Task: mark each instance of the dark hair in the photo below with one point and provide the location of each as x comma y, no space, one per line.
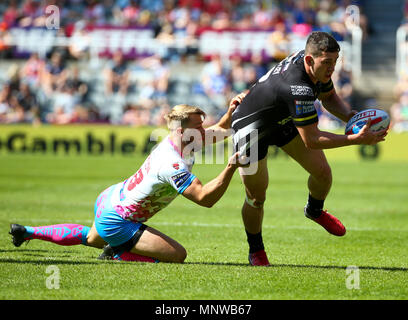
319,42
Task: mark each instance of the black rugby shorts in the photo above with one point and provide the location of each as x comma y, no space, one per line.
254,133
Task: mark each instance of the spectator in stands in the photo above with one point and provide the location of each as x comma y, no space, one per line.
161,76
117,75
184,30
80,87
135,115
152,5
264,17
323,16
154,92
215,80
214,7
176,22
259,64
95,13
330,17
130,13
303,13
12,13
251,76
5,38
167,41
194,6
237,74
66,108
55,74
204,23
76,10
30,11
13,77
342,81
145,19
245,23
399,114
158,118
79,41
7,104
191,41
32,69
222,20
278,46
27,105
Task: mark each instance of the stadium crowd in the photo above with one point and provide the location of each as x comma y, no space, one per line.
53,89
399,110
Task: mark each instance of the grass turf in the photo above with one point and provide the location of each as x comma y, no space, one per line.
307,263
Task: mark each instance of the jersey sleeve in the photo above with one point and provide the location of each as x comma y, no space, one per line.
301,101
176,174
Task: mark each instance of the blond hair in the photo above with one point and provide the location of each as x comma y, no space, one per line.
179,115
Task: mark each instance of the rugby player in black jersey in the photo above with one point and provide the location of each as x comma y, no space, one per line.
280,110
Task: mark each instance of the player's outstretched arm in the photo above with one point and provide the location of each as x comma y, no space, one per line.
207,195
317,139
222,129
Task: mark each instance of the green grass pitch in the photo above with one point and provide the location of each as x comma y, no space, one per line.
370,197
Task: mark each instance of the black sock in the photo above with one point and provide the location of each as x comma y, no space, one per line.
255,242
314,207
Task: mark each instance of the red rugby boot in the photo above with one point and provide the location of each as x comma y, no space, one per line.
258,258
329,222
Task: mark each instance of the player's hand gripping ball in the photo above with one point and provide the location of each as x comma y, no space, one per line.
379,120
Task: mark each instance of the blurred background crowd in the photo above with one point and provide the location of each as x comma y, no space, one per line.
60,87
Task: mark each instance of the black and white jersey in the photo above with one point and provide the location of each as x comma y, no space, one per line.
286,88
281,100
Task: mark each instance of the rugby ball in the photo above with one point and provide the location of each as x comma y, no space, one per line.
379,120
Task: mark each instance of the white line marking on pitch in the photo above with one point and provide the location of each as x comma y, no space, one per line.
222,225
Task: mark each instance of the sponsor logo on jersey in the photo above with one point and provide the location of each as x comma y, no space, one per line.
176,166
180,178
301,91
304,107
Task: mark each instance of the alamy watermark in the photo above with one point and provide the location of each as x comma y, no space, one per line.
353,278
53,280
53,20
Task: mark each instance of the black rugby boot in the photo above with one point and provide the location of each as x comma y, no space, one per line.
17,232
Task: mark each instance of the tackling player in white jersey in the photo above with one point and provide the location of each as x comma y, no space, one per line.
121,210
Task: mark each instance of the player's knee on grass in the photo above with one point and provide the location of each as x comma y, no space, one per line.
157,245
174,254
180,256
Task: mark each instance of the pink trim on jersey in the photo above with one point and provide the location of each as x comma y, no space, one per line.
175,147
